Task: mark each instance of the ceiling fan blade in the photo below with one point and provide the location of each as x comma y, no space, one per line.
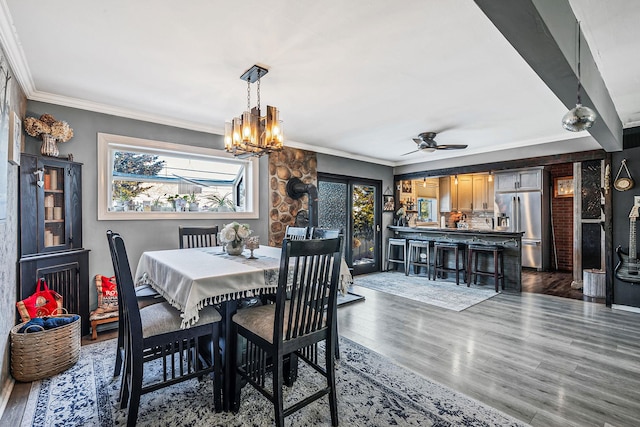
410,152
452,147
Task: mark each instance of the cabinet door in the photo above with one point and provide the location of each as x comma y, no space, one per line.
445,194
530,180
54,212
506,181
490,193
465,192
479,193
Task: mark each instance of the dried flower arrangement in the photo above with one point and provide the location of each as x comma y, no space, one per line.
47,124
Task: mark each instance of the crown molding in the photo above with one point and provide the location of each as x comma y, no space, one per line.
13,50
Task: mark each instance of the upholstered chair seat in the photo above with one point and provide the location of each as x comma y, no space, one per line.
162,318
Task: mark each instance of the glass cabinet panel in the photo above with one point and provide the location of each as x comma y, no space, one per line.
54,207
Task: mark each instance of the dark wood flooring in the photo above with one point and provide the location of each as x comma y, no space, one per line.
557,283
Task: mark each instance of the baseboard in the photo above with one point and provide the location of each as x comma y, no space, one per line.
626,308
7,388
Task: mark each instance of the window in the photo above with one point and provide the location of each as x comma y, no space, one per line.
144,179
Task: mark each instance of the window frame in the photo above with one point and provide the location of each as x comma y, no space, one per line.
109,142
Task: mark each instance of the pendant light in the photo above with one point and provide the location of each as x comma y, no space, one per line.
581,117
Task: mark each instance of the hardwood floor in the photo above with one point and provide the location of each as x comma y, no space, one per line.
545,360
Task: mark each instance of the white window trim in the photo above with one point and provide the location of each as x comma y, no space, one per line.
107,142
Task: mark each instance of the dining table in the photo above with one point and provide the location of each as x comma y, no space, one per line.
191,279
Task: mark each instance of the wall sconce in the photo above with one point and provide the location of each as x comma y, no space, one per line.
455,180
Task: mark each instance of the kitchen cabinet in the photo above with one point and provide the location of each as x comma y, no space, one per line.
51,231
465,193
519,180
448,194
482,193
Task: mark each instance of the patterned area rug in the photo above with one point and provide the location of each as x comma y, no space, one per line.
419,288
372,391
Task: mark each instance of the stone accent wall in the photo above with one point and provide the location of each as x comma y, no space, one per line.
283,165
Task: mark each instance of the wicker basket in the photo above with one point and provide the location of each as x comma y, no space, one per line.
38,355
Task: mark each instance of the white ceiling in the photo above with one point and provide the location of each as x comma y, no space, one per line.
355,78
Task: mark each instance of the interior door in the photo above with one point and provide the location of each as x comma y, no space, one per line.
354,206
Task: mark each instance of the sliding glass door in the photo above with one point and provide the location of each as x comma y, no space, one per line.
353,205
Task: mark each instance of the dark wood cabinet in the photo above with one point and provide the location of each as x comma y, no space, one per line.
51,232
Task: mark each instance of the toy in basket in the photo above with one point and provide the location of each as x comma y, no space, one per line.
46,352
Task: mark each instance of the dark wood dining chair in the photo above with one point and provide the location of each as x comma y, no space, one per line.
296,233
303,316
155,332
146,296
198,237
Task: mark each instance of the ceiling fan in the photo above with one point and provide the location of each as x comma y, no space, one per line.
426,142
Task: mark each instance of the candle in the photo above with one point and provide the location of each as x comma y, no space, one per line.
48,238
57,212
54,179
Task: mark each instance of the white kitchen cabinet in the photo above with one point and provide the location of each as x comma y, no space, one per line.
482,193
465,193
518,180
448,194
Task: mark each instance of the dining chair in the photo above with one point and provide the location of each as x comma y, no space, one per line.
198,237
155,332
296,233
302,317
146,296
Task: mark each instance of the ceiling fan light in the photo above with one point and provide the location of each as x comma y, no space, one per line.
579,118
428,149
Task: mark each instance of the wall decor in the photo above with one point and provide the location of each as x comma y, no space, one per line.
388,203
4,136
563,186
15,145
622,183
407,186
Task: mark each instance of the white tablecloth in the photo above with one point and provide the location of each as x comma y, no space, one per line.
191,279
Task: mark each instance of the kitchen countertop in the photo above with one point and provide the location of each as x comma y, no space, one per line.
456,230
510,241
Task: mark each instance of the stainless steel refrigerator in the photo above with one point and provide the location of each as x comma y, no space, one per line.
526,211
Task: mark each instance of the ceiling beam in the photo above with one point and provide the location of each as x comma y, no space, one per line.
543,32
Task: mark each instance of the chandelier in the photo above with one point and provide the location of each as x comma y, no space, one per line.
581,117
252,134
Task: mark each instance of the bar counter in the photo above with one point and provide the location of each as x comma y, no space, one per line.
510,241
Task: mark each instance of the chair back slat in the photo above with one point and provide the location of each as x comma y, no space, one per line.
310,271
126,287
198,237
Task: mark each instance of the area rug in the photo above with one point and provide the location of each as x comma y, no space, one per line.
348,298
435,292
372,391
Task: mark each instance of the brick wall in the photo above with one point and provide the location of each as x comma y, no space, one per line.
562,220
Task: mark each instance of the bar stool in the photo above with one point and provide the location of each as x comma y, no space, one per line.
494,251
402,245
440,259
419,256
